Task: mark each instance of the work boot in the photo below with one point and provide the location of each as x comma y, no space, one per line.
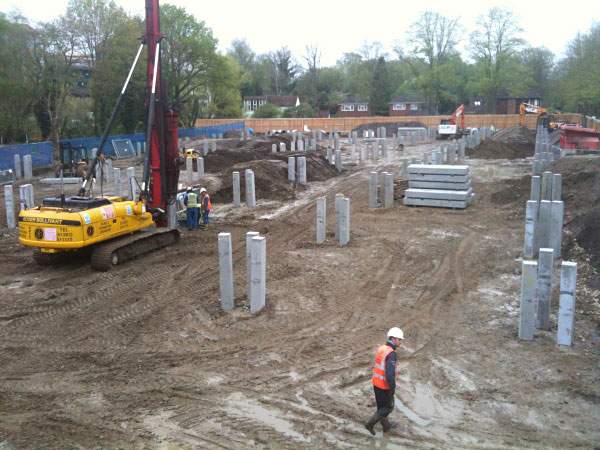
370,425
386,424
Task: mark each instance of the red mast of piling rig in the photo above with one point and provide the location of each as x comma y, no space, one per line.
161,167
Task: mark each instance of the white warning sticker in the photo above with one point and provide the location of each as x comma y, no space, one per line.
108,212
50,234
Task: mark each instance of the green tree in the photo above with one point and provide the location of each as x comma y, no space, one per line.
224,86
189,53
494,46
115,56
56,54
357,75
381,89
18,79
94,22
302,110
283,71
267,111
330,88
241,52
539,64
433,39
576,85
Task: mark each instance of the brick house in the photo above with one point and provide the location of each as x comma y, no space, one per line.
353,107
283,102
407,105
510,105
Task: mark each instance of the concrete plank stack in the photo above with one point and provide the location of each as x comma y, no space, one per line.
441,186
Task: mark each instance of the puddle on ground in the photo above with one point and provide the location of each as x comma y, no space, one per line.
240,406
410,414
443,234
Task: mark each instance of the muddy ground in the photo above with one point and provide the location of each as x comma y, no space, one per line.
143,357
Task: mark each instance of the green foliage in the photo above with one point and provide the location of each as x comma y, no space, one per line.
433,39
40,65
225,87
300,111
267,111
577,79
189,54
380,88
18,68
494,45
115,56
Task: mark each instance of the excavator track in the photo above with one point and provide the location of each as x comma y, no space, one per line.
120,250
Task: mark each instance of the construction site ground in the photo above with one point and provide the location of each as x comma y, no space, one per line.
143,356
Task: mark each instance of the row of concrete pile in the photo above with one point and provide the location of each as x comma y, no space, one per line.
544,217
436,185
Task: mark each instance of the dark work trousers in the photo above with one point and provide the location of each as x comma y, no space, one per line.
385,401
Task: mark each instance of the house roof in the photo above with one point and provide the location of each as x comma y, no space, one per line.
408,98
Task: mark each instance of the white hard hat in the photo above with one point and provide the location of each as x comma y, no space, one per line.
395,332
202,190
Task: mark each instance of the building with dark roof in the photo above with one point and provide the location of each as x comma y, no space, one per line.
407,105
353,106
253,102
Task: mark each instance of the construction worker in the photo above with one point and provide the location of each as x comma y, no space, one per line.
384,380
191,201
205,205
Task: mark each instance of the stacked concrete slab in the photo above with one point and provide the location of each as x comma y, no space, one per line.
442,186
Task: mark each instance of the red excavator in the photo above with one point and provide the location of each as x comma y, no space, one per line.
453,127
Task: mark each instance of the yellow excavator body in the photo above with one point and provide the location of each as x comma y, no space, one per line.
81,223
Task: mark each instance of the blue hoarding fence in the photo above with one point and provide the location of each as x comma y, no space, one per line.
41,153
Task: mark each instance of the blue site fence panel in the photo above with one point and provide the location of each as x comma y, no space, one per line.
41,153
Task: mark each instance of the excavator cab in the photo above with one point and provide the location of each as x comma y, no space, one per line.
73,160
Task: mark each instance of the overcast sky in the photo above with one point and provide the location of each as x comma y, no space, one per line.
337,26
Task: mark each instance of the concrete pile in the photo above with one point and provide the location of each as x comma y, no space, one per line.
544,215
442,186
545,151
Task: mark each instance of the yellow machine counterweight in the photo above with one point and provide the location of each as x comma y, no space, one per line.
110,227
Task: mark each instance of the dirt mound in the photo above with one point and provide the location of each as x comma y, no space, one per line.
515,135
270,177
491,149
390,128
510,143
580,192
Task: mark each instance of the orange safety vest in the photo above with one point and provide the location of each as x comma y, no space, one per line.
209,206
379,379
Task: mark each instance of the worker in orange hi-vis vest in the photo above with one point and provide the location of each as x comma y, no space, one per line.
384,380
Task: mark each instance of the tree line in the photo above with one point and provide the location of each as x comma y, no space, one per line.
62,78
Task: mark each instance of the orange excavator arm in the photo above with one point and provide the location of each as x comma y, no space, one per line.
525,108
458,112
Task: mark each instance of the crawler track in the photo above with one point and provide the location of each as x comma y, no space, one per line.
117,251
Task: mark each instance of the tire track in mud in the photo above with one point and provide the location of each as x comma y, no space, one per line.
440,302
300,334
